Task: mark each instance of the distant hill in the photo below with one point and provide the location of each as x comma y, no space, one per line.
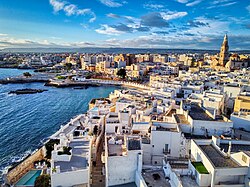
109,50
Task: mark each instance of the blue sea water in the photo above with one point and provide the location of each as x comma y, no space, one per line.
26,120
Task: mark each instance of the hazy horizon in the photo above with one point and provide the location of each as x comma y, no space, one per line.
189,24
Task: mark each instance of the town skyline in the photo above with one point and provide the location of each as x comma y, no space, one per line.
177,24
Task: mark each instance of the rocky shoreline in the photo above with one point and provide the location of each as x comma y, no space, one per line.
21,81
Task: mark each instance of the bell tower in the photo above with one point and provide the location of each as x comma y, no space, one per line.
224,54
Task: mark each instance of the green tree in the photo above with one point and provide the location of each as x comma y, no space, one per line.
26,74
42,181
122,73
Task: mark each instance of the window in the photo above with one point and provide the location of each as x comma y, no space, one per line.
244,158
166,147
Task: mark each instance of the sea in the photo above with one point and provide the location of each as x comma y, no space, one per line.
26,121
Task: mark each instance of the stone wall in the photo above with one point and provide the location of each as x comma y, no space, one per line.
21,169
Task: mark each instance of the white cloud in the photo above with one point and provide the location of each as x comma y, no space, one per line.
107,30
8,42
172,15
3,34
111,15
194,3
55,38
112,3
153,6
221,3
57,5
182,1
71,9
173,40
215,27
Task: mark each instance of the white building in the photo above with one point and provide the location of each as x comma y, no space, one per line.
166,141
194,119
70,162
123,159
225,164
241,121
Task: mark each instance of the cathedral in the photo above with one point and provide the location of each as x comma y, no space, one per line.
220,63
224,54
227,62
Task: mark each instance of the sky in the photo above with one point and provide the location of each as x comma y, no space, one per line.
182,24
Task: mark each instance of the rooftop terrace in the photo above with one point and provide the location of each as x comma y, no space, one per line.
197,113
80,149
217,158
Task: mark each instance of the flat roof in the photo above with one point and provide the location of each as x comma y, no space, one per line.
80,148
217,158
160,128
197,113
187,181
134,144
150,181
235,147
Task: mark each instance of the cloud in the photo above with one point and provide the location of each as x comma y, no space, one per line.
182,1
143,29
57,5
8,42
120,29
197,24
221,3
113,3
108,30
189,3
129,19
71,9
55,38
161,32
145,24
157,40
184,41
206,26
172,15
153,6
154,19
194,3
111,15
3,34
